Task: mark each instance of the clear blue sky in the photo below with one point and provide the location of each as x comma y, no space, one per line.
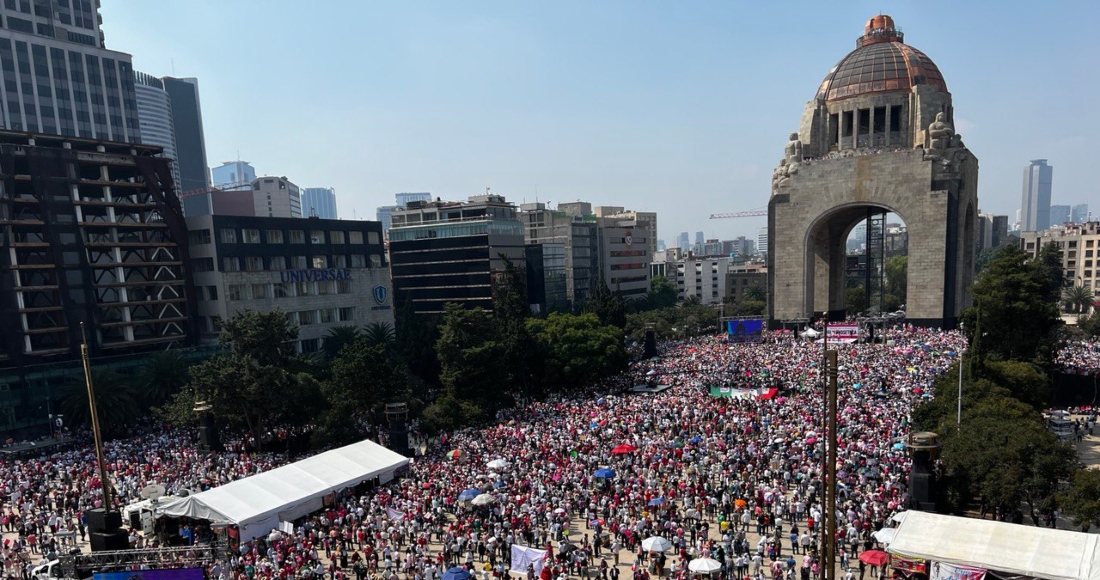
681,108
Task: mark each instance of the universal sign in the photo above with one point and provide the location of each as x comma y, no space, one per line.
315,275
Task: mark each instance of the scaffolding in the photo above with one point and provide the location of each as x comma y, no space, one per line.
82,565
874,283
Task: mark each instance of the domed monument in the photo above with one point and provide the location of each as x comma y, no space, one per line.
878,137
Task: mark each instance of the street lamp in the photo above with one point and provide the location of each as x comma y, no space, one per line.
959,418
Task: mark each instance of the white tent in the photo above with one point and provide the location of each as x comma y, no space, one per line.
810,333
1007,548
258,503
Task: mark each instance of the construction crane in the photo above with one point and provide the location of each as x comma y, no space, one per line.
739,214
215,188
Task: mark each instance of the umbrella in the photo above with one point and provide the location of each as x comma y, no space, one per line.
456,454
484,499
604,473
885,535
498,464
457,573
657,501
692,513
623,449
874,557
559,510
656,544
274,536
469,494
566,548
695,440
704,565
899,446
499,483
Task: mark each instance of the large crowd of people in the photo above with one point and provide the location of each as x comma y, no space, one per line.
587,479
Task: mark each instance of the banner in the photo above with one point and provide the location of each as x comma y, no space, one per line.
942,571
522,556
843,333
910,564
395,515
746,330
173,574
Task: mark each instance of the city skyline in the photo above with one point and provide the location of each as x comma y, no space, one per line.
634,106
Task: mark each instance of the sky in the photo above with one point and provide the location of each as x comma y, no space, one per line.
682,108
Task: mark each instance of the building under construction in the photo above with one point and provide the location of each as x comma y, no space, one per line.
92,232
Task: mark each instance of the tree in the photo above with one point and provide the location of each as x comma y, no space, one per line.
416,336
607,306
470,355
661,294
1077,299
1082,499
117,401
365,376
259,383
756,292
855,299
576,350
337,338
1015,313
165,373
380,333
897,278
510,314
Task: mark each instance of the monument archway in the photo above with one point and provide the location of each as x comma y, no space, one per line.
877,137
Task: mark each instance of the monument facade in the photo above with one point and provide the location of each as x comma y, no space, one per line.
877,138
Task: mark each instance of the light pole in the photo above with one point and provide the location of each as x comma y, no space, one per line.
959,418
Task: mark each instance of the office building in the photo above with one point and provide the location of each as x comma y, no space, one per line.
576,208
190,139
546,277
450,252
154,107
1059,215
406,198
577,234
1080,213
233,173
69,83
276,197
704,278
1080,245
321,273
699,238
319,202
647,219
625,255
683,241
745,278
90,232
762,240
384,213
1035,204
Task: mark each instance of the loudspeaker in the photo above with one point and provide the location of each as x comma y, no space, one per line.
399,439
106,541
921,490
650,349
101,520
208,434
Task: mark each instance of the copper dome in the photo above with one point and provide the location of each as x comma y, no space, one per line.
881,62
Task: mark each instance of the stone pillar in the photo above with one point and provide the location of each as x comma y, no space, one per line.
855,128
889,112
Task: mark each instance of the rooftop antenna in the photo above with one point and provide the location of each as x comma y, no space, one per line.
536,193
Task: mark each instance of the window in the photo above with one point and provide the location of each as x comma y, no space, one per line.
372,237
343,286
311,345
336,237
198,237
319,262
212,292
231,265
279,290
328,315
274,236
202,264
229,236
297,237
358,261
324,288
307,317
355,237
236,292
259,291
338,261
375,261
346,314
298,262
316,237
303,289
250,236
253,263
278,262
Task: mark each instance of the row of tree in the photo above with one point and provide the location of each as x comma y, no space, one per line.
1000,457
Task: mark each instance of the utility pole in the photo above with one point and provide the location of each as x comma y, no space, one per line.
106,483
830,497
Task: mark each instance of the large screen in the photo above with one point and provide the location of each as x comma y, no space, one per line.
745,330
171,574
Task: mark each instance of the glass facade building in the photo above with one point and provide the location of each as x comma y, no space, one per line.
319,202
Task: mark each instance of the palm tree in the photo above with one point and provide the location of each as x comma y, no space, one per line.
164,375
1077,299
338,337
379,333
116,400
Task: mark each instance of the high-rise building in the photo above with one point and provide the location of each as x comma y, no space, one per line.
1059,215
699,238
276,197
154,106
576,234
1035,204
762,240
384,213
1080,213
625,255
1072,240
683,241
319,202
449,252
77,247
233,172
646,218
190,139
60,77
405,198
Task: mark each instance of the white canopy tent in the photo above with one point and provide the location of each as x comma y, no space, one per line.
1007,548
257,504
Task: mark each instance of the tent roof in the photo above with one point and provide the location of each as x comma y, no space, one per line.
257,503
1011,548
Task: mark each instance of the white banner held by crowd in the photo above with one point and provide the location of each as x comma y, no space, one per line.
522,556
395,515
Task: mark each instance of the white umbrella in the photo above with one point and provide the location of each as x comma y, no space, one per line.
559,510
885,535
484,499
704,565
656,544
498,464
